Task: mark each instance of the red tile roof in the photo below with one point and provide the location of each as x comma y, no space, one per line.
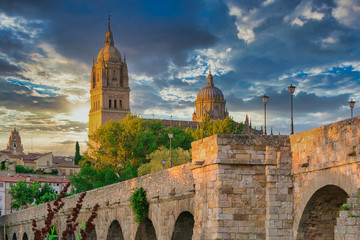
32,179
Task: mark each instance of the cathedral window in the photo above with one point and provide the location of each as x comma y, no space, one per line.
120,104
115,104
109,103
14,144
14,137
114,76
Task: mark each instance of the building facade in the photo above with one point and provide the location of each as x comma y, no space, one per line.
210,101
6,182
110,91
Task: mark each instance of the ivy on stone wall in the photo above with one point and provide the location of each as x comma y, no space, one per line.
139,204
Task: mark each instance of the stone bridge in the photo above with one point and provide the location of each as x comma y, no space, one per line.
236,187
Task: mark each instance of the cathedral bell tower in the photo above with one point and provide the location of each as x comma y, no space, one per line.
109,91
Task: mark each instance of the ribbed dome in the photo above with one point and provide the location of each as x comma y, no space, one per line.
210,93
109,53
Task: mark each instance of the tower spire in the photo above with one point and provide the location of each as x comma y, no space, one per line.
109,41
109,21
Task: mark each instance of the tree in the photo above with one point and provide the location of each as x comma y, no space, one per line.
126,141
90,178
208,127
46,194
179,156
77,154
182,138
22,194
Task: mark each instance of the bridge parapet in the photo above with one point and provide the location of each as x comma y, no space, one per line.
169,192
239,149
327,146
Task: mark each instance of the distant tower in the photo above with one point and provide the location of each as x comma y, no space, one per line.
246,129
14,145
210,100
110,91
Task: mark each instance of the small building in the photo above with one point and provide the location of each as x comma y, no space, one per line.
6,182
38,160
65,165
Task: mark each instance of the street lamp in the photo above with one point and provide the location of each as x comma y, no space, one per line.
291,89
351,105
163,163
170,136
265,99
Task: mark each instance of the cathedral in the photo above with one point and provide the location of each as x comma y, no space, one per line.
210,101
109,90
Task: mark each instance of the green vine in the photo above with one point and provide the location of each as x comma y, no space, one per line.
139,205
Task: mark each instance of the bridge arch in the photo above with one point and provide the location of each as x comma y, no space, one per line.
114,231
92,235
146,231
25,237
184,227
319,216
331,180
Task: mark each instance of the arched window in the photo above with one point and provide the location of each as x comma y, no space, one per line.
109,103
115,104
120,104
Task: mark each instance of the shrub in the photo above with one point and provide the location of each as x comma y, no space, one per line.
3,166
139,204
22,169
54,171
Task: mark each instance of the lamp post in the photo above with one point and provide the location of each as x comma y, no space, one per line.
291,89
170,136
265,99
351,105
163,163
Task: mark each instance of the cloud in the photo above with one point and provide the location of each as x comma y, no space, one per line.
17,97
303,13
252,46
22,28
245,22
347,12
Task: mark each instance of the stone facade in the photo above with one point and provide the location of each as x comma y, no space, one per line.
110,91
236,187
348,221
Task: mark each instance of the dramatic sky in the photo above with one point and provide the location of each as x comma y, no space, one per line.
253,47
